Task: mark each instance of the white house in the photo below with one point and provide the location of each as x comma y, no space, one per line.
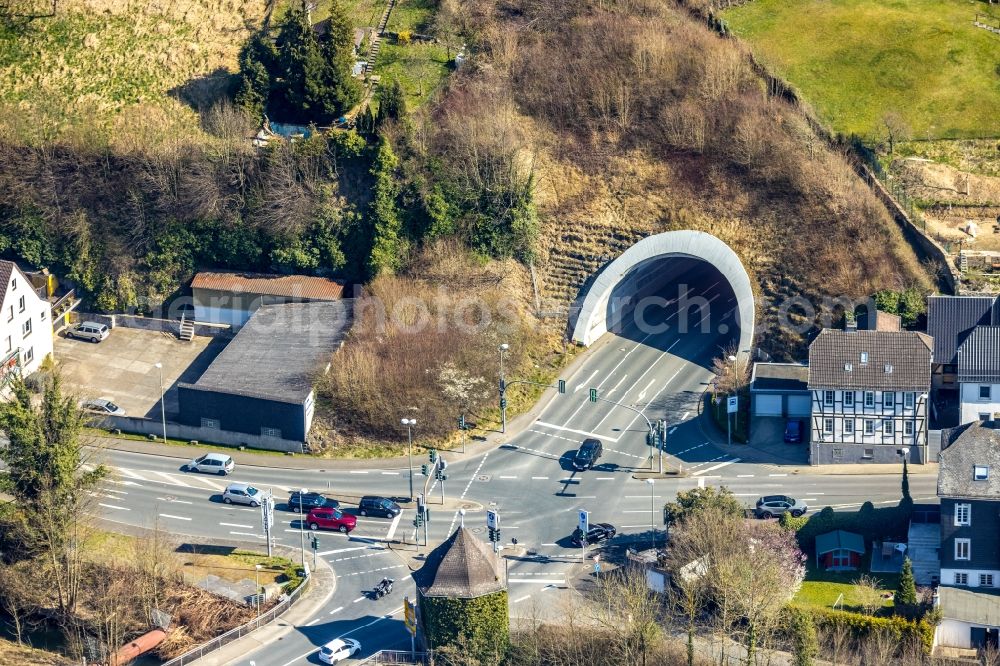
230,298
25,325
869,395
979,375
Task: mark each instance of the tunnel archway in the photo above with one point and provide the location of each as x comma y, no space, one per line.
640,263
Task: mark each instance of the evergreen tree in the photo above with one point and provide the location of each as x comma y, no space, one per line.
386,225
341,91
392,105
257,59
906,485
906,591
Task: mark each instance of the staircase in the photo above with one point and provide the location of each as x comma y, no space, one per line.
923,542
376,44
186,330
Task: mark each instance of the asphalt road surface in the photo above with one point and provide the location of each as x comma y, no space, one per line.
528,479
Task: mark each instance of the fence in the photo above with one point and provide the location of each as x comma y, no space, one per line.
397,657
239,632
153,324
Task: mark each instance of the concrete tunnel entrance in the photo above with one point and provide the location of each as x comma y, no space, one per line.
637,277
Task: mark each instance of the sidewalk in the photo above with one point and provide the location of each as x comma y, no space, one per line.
321,589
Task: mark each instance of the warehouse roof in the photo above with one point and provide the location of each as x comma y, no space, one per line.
980,608
870,360
950,319
779,377
291,286
279,351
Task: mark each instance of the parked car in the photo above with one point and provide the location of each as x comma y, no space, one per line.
597,533
588,455
371,505
242,493
793,431
212,463
339,649
771,506
331,519
88,330
299,501
102,406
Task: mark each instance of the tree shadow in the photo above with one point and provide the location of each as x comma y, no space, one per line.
203,92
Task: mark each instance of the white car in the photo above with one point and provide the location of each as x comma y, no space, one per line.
339,649
102,406
212,463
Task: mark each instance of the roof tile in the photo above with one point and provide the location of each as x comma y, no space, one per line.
896,361
292,286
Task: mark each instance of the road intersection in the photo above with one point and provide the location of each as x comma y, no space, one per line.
528,478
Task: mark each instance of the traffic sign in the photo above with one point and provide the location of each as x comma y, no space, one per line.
732,405
562,385
593,395
493,519
584,521
409,615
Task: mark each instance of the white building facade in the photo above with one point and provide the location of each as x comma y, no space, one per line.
979,375
25,325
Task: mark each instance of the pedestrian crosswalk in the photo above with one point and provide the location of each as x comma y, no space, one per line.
137,477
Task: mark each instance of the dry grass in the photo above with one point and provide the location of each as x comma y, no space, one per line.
100,67
12,654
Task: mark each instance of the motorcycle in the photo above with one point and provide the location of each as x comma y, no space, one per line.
383,588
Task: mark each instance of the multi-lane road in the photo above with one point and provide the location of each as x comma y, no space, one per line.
659,372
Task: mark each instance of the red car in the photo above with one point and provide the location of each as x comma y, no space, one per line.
331,519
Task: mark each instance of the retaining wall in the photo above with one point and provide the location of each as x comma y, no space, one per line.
144,426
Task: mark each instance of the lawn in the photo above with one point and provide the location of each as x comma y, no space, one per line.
419,66
821,589
856,60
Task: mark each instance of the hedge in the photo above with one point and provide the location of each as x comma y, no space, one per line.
871,523
861,626
481,625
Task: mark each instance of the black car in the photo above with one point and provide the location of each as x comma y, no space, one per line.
793,432
302,502
590,451
378,506
597,533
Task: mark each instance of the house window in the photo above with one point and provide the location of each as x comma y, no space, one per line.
10,345
13,284
848,426
887,427
981,472
908,427
848,398
828,398
888,399
985,580
869,427
984,416
21,304
869,398
42,315
29,355
210,423
26,327
270,432
961,578
868,454
10,317
962,548
984,392
827,425
963,514
908,399
864,358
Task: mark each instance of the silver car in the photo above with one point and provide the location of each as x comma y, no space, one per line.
212,463
89,330
102,406
241,493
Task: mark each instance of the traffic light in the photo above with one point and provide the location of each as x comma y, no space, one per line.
461,422
432,455
315,543
650,439
425,469
418,521
593,395
562,385
503,403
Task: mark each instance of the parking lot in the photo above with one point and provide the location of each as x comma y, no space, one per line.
122,368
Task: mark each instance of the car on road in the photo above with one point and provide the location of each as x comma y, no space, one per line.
88,330
596,533
588,455
771,506
371,505
331,519
339,649
212,463
793,431
304,501
242,493
102,406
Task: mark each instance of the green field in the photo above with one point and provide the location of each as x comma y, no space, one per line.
856,60
821,589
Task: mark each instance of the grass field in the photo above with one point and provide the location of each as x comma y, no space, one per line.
821,589
856,60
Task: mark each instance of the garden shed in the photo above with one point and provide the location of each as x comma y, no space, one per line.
839,550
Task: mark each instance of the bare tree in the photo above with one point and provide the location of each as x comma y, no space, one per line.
895,128
867,594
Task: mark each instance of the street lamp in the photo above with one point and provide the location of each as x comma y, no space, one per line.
257,576
409,423
503,389
652,513
729,416
461,517
302,528
163,407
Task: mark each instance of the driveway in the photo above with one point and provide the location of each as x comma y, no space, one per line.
122,367
767,433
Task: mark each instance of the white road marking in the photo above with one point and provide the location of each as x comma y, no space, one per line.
517,601
585,382
507,477
393,526
336,610
701,482
173,500
167,515
112,506
615,388
578,432
364,626
358,471
391,473
539,478
116,492
550,544
131,474
341,550
642,394
777,475
686,414
715,467
212,485
357,600
171,480
542,581
604,478
249,534
671,431
247,527
744,476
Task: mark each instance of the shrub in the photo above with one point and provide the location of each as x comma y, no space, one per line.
404,36
792,523
900,629
871,524
802,636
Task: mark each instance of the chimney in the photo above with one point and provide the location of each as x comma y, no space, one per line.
850,324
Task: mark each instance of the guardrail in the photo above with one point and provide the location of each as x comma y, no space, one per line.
398,658
239,632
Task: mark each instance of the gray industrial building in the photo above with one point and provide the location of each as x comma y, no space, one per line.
262,382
